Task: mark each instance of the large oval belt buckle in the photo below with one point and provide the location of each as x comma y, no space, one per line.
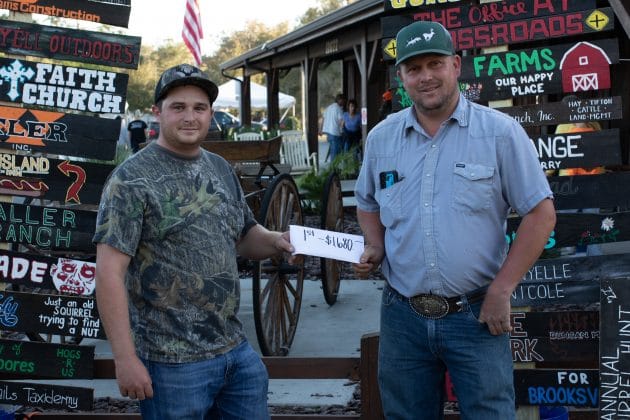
430,306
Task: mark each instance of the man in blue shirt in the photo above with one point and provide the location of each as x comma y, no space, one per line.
437,183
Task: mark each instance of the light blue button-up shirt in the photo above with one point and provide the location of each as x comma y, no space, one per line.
445,218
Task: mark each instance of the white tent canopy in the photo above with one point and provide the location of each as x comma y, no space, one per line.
230,95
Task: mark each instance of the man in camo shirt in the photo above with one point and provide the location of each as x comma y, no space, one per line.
171,222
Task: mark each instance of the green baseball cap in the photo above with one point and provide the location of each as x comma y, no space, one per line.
423,37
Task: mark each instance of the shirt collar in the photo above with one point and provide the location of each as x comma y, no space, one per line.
461,115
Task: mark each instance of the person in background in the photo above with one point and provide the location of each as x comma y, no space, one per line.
331,125
137,133
171,221
433,195
351,127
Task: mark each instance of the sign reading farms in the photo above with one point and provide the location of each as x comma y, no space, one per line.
57,133
565,68
58,86
69,44
53,179
110,13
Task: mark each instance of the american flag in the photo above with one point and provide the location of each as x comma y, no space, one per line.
192,32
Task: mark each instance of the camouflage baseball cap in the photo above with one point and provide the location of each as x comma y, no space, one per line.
181,75
423,37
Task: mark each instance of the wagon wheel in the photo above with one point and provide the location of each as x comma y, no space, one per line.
278,285
332,219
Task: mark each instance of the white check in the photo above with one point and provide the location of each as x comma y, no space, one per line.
326,243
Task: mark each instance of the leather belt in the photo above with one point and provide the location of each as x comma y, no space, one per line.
435,306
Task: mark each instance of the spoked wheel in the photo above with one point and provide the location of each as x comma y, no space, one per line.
278,285
332,219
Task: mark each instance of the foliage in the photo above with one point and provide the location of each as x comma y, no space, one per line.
311,184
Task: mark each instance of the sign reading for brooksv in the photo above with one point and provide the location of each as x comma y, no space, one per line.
69,44
57,133
57,86
110,13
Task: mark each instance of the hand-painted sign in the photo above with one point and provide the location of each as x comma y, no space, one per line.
582,229
566,68
567,111
110,13
50,314
69,44
595,191
57,86
479,14
521,31
47,396
58,133
31,360
554,336
56,180
614,348
552,387
404,4
578,150
47,227
65,275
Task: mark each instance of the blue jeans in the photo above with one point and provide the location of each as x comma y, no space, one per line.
415,352
334,145
229,386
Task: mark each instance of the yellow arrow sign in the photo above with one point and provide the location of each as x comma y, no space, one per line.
390,48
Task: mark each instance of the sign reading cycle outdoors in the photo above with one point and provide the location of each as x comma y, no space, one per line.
50,314
57,180
49,396
57,133
566,68
57,86
31,360
47,227
64,275
69,44
110,13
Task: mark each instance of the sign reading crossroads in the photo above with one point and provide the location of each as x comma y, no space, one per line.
110,13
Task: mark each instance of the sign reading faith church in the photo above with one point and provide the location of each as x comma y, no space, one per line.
69,44
58,86
58,133
107,12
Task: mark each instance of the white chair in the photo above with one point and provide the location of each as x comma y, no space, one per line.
248,136
294,152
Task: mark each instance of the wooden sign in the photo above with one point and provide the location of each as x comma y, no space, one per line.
107,49
58,133
578,150
522,31
406,4
50,314
469,15
554,336
65,181
594,191
99,11
47,227
46,396
565,68
46,360
553,387
57,86
64,275
569,280
614,349
567,111
582,229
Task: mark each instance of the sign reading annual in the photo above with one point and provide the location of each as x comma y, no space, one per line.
69,44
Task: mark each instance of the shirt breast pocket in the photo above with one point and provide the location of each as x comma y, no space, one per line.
390,203
472,186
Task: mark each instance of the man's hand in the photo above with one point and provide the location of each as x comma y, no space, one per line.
133,378
495,312
370,259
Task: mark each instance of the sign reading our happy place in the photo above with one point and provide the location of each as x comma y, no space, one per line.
57,86
106,49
